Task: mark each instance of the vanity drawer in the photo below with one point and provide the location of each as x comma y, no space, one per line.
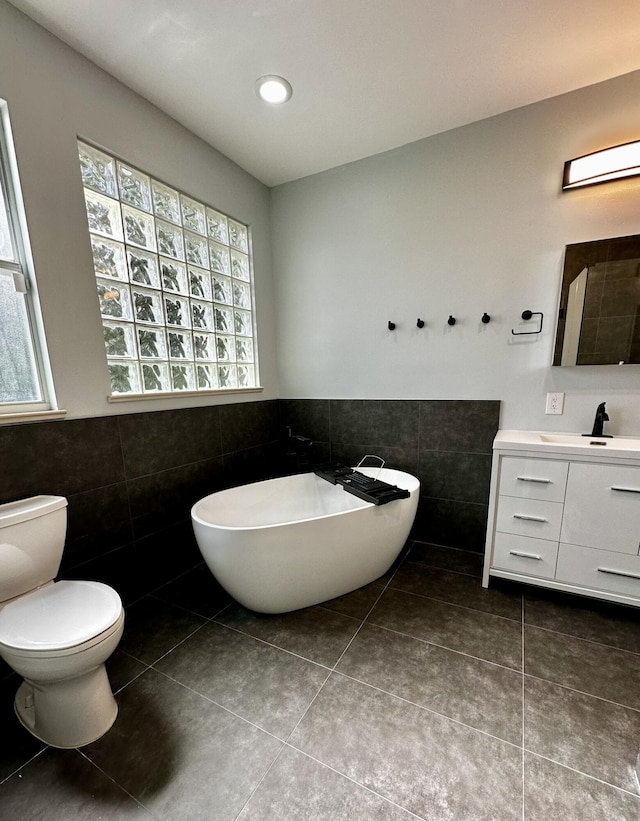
600,569
533,478
522,554
529,517
602,507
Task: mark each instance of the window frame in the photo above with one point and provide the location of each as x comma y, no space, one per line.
22,271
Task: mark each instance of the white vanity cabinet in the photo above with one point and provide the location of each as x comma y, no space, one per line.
565,514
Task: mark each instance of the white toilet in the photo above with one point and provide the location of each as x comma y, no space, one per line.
56,635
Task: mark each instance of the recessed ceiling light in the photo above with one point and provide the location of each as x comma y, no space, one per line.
273,89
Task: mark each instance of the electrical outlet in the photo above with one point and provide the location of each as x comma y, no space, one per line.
555,403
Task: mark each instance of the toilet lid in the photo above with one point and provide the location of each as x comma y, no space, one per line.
59,616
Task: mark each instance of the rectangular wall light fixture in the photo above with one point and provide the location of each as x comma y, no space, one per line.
602,166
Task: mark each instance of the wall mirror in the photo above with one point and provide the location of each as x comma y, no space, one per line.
599,316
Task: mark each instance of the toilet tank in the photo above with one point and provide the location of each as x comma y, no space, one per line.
32,534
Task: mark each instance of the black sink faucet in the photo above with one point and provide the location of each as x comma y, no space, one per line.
598,423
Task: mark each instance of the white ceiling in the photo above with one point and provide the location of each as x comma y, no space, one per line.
367,75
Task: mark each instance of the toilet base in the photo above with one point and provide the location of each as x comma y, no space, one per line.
68,713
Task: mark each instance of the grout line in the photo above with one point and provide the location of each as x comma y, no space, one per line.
221,706
113,781
400,563
444,647
28,761
421,563
582,692
579,638
259,784
426,709
311,703
353,781
153,595
586,775
270,644
451,604
135,678
182,641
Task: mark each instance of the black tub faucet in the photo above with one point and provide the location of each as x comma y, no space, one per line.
598,423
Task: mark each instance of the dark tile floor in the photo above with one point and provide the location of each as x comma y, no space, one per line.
420,696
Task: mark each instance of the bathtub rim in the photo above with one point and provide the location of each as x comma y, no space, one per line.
360,504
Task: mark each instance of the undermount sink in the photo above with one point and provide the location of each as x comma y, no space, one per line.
617,446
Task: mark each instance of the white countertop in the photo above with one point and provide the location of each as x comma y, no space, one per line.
618,447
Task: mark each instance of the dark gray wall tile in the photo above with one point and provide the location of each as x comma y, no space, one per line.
248,425
159,500
152,442
19,459
161,556
451,523
464,477
459,424
98,521
392,422
119,569
153,627
252,464
196,590
401,458
77,455
306,417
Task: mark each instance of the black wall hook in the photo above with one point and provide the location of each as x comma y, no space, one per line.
451,320
391,326
526,315
420,323
486,319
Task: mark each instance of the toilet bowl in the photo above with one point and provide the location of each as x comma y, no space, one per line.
56,635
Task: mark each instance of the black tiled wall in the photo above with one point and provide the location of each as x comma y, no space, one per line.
446,443
131,480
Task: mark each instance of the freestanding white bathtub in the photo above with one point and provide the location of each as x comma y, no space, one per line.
289,543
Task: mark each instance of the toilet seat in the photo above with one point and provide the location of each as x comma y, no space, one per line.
61,616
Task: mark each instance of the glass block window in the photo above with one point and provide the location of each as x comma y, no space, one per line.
174,283
22,382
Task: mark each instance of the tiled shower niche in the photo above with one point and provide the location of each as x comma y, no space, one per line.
174,283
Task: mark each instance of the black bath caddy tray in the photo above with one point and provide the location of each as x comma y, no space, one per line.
364,487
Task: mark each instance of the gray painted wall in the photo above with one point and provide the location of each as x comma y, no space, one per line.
55,95
468,221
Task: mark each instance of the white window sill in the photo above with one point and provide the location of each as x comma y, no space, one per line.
31,416
136,397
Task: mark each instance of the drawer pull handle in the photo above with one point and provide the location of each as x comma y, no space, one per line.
528,518
619,573
525,555
626,489
531,479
